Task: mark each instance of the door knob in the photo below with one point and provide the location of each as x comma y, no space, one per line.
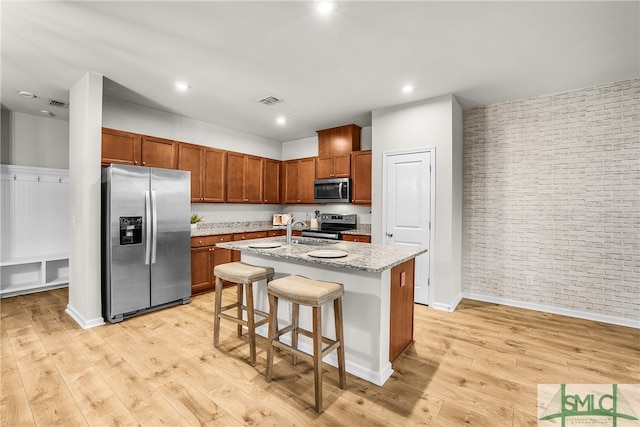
389,234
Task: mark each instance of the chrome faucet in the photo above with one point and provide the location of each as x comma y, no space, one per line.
290,226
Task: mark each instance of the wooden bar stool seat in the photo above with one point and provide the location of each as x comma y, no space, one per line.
300,290
244,275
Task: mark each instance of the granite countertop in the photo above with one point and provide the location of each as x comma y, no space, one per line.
361,256
214,228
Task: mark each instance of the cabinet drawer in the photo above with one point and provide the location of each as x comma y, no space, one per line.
250,235
356,238
200,241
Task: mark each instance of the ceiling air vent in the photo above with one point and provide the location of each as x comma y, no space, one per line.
270,100
58,104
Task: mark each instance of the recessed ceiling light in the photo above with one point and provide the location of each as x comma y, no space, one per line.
46,113
281,120
407,89
26,94
182,86
324,6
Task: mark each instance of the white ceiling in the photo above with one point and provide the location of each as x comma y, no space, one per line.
329,70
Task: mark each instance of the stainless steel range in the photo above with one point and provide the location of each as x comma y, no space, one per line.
331,226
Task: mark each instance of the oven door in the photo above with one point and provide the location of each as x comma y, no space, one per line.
332,190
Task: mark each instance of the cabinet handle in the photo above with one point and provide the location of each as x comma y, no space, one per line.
135,162
144,163
199,242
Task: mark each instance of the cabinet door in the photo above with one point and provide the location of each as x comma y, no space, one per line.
120,147
159,153
215,163
361,174
271,181
291,173
235,177
401,306
339,140
342,166
253,179
307,174
190,159
201,270
324,167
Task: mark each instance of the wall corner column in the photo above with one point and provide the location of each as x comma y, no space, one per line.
85,128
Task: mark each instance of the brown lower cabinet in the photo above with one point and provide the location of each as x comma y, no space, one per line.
401,302
205,256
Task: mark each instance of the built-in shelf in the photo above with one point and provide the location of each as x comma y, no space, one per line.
28,274
34,229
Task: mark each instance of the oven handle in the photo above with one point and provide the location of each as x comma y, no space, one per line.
332,236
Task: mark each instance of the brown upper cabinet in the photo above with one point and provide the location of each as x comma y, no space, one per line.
299,175
334,151
133,149
339,140
334,166
272,181
244,178
159,153
208,171
361,177
120,147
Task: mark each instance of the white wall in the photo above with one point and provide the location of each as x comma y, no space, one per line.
435,123
552,203
30,140
147,121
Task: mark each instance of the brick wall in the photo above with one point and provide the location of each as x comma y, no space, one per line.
552,201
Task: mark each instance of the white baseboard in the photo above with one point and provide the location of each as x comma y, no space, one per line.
555,310
447,307
80,320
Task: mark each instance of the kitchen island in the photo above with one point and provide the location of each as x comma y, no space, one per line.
377,304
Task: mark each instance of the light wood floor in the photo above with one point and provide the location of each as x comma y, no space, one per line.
477,366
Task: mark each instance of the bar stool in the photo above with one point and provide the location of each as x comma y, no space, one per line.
243,275
303,291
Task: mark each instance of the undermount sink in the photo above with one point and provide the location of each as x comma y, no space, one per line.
313,242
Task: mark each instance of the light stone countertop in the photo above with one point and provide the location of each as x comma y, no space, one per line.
213,229
361,256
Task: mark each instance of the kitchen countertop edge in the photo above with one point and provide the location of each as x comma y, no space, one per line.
362,256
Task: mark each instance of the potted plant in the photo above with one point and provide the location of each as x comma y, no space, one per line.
195,219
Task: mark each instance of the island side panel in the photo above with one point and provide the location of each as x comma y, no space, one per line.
402,300
365,314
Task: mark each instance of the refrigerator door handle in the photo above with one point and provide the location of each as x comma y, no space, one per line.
147,206
154,216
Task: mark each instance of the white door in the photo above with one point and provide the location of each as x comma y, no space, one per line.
407,201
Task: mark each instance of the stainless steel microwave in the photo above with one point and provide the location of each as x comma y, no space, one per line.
335,190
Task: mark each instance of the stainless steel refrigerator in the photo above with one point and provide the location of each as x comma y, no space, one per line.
146,234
